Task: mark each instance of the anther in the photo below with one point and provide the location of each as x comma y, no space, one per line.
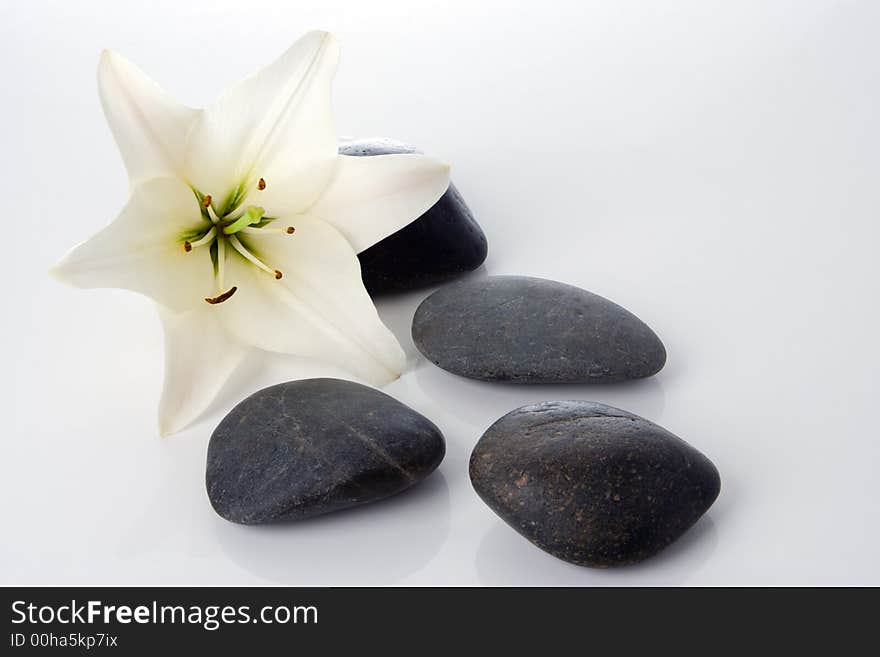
278,275
222,297
206,201
261,185
290,230
187,247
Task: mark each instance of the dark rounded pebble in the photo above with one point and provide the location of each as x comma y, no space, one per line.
591,484
305,448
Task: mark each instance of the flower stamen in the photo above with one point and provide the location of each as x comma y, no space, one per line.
238,246
251,230
207,238
212,215
206,202
221,262
261,185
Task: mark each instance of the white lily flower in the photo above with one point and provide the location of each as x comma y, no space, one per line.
244,224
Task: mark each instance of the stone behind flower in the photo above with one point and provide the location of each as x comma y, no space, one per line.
304,448
443,243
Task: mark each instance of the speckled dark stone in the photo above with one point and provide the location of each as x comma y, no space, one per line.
591,484
443,243
531,330
304,448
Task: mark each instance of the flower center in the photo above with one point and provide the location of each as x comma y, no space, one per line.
231,230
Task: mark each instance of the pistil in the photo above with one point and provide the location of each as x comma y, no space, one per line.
252,215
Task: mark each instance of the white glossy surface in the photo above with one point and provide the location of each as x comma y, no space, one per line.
713,166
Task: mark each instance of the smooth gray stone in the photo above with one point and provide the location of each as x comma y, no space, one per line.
591,484
304,448
443,243
532,330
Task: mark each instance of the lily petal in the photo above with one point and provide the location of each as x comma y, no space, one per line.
142,250
274,125
199,358
318,309
369,198
150,127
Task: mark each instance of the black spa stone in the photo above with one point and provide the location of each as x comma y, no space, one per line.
532,330
443,243
591,484
305,448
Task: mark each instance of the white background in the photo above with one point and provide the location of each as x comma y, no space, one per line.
711,165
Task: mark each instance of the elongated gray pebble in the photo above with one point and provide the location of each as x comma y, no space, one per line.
532,330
